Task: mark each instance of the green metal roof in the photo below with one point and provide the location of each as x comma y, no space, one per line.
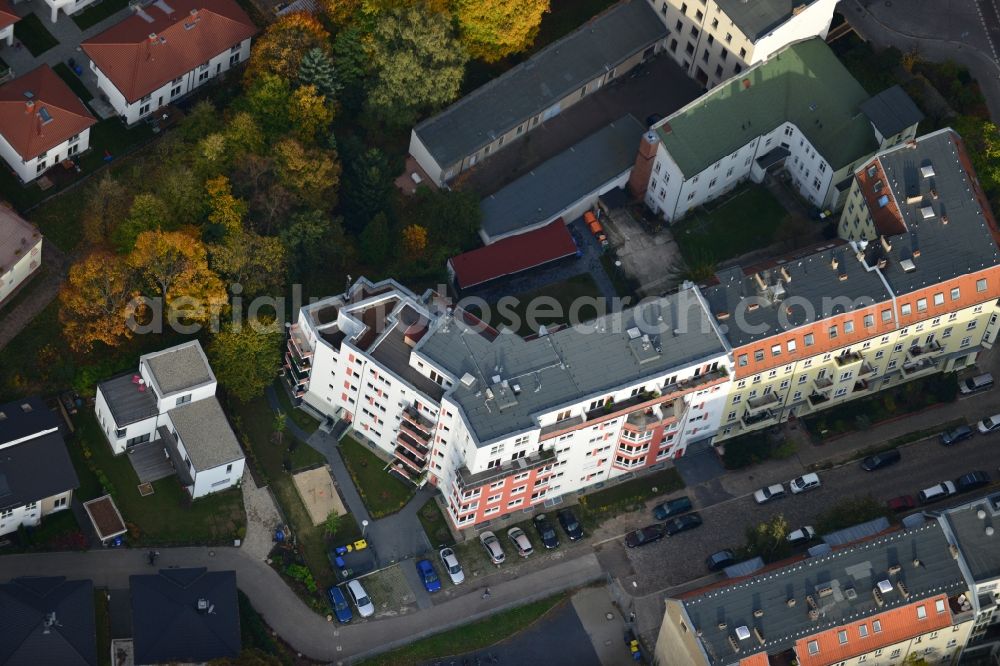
804,84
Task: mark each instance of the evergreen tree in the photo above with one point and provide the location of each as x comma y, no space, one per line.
317,69
375,242
367,188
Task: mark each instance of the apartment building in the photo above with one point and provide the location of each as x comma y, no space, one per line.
913,292
501,423
165,50
519,101
714,40
170,403
878,602
800,112
20,251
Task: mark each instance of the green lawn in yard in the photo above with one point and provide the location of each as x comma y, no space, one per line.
554,309
59,218
382,493
19,376
626,496
111,135
96,13
435,524
73,81
168,517
747,220
473,636
301,419
31,32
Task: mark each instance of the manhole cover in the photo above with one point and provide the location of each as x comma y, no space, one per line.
609,616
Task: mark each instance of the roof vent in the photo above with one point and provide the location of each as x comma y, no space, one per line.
743,632
953,549
989,530
907,265
634,333
885,586
934,194
814,614
722,626
850,593
886,245
722,316
152,36
790,602
927,171
895,569
759,635
981,514
944,219
25,407
903,591
917,562
468,381
785,274
927,212
824,591
203,605
758,612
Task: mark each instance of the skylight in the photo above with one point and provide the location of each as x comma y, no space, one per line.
44,114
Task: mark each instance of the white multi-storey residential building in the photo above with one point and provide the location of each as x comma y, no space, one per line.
166,50
20,251
800,111
498,422
172,400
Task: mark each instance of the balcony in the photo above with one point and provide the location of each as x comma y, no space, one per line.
923,364
822,383
403,455
760,418
419,424
670,391
866,369
297,376
816,398
849,358
646,419
762,402
860,385
636,453
916,351
296,340
400,469
418,450
303,363
419,437
467,479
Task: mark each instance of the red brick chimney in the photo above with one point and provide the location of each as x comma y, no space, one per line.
638,181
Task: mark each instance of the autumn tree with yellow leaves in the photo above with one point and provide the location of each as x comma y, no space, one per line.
97,301
494,29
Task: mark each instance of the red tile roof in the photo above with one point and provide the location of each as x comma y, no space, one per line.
7,15
141,56
52,114
513,255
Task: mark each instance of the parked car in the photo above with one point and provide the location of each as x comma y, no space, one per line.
645,535
520,541
902,503
492,546
801,535
670,508
338,602
801,484
769,493
983,382
936,492
719,560
451,565
956,435
428,576
360,598
688,521
546,532
971,481
571,526
989,424
880,460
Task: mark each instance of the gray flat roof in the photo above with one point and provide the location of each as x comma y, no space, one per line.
567,365
536,197
758,17
891,111
127,403
980,550
204,430
179,368
962,246
858,568
813,281
536,84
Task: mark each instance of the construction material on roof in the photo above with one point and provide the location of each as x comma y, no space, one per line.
105,517
513,255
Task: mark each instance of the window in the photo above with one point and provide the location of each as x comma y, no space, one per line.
955,293
971,325
939,605
743,360
877,626
906,309
965,342
921,305
921,612
758,355
809,339
863,630
183,399
842,637
813,647
775,350
939,298
729,38
981,284
699,16
233,59
848,327
869,321
833,332
743,53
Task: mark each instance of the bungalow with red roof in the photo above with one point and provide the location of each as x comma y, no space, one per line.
42,123
165,50
7,20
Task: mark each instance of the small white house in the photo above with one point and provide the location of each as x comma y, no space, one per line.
166,50
20,251
42,123
172,399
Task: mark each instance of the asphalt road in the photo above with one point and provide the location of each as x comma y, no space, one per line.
990,13
677,560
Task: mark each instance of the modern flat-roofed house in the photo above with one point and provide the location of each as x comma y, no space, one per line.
20,251
42,123
36,475
48,620
549,82
165,50
172,399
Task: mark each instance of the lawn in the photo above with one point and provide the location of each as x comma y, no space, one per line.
383,494
112,136
435,524
744,221
512,312
298,416
168,517
31,32
630,495
73,81
97,13
473,636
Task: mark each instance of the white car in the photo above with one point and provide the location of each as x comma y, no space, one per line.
769,493
451,565
492,546
520,541
360,598
801,484
801,535
989,424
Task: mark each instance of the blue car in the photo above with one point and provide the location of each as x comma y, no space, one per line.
427,574
339,604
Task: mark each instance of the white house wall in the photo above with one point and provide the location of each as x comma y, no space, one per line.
28,170
14,275
108,426
217,478
813,21
30,517
424,158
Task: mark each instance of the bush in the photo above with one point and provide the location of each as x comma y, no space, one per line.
754,448
301,573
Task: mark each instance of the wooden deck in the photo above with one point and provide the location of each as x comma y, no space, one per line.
150,461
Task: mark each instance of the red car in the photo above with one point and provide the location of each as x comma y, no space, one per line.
902,503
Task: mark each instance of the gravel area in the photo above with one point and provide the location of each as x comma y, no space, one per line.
389,591
262,518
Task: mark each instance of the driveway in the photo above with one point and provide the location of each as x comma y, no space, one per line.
646,256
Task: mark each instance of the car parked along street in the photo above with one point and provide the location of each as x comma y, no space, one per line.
338,602
360,598
451,565
880,460
989,424
956,435
769,493
546,532
801,535
801,484
971,481
670,508
571,526
645,535
428,576
683,523
492,547
520,541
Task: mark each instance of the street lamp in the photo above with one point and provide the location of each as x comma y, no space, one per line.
364,526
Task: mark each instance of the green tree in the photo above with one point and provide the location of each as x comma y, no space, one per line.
311,173
768,540
332,523
267,99
105,210
280,426
245,358
283,45
147,213
367,188
202,120
983,142
494,29
316,242
317,69
375,241
418,63
182,194
451,217
352,66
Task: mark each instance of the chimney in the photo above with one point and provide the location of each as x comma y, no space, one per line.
886,245
638,181
29,105
834,263
785,274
